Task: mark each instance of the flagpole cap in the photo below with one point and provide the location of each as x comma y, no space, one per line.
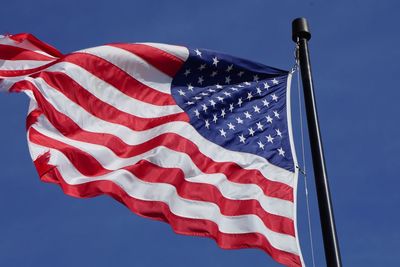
300,29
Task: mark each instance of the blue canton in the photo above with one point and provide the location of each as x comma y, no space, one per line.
237,104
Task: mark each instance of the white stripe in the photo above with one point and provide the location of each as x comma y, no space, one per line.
21,64
111,95
91,123
167,158
135,66
178,51
32,103
25,44
8,82
166,193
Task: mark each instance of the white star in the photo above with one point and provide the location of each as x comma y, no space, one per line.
201,80
227,93
240,102
204,94
197,97
211,90
251,131
190,87
256,109
215,61
231,107
223,113
198,52
247,115
228,80
218,86
204,107
259,90
242,138
181,92
255,78
207,124
240,73
187,72
215,118
239,120
265,103
269,119
266,85
247,83
270,139
278,133
275,81
214,73
220,98
259,125
223,133
202,67
276,114
230,67
231,126
197,113
274,97
281,152
249,96
189,103
234,89
239,85
212,103
261,145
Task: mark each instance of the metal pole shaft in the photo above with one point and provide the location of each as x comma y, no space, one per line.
301,35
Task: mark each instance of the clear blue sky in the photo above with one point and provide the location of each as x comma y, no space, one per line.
355,56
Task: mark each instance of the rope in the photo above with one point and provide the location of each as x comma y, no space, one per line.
302,170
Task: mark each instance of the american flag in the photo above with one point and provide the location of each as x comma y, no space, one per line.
192,137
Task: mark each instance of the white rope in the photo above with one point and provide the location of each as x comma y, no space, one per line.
303,168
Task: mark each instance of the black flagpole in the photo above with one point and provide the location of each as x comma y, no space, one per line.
301,35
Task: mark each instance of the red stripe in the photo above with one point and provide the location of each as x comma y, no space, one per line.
160,211
118,78
32,117
232,171
14,73
8,52
36,42
79,95
163,61
149,172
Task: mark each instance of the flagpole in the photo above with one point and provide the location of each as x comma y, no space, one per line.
301,35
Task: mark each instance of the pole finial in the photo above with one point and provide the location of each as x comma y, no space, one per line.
300,29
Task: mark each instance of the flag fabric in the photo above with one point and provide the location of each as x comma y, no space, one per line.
193,137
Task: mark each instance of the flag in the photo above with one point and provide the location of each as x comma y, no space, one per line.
193,137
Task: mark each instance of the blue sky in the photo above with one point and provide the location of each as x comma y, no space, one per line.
354,54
